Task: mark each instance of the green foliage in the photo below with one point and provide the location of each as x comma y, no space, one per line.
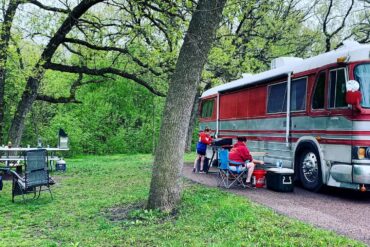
254,33
118,115
93,206
115,117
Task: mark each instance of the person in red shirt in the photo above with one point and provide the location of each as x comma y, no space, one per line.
240,154
204,140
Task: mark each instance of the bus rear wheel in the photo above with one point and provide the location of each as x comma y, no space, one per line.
310,169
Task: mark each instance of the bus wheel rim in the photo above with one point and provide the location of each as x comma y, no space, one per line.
310,167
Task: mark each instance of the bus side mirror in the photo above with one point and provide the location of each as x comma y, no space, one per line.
353,95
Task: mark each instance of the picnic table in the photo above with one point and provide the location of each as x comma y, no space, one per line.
12,156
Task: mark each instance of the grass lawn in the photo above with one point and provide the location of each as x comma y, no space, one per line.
93,204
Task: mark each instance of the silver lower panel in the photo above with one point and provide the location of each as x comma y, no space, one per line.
361,174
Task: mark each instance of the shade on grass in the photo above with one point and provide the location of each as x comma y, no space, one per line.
94,188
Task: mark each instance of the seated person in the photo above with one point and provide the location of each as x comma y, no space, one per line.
240,154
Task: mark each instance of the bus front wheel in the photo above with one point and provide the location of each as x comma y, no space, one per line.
310,169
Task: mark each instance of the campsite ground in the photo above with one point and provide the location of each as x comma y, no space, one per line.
343,211
98,202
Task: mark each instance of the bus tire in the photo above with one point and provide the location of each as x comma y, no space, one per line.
310,169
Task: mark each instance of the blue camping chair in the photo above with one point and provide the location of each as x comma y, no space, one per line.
228,177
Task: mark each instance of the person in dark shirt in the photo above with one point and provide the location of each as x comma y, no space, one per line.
204,140
240,154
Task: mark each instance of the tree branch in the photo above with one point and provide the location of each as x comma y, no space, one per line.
48,8
344,19
66,27
160,10
329,36
59,100
162,29
325,22
102,71
18,50
72,97
112,48
72,50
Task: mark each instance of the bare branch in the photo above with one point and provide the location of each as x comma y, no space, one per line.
72,50
325,22
72,97
59,100
112,48
344,19
157,9
329,36
62,100
156,23
102,71
48,8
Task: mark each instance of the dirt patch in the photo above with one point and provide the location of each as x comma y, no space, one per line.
121,212
136,214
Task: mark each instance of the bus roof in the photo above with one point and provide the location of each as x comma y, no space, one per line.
352,50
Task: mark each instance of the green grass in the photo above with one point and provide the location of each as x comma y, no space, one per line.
91,202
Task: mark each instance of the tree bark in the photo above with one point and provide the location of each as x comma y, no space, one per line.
32,86
193,117
165,186
4,43
192,123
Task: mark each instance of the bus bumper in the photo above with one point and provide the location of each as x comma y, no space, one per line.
361,174
349,176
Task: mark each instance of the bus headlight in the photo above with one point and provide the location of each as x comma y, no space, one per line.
361,153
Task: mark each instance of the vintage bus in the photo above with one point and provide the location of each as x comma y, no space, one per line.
313,114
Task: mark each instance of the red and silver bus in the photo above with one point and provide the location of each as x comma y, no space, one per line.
313,114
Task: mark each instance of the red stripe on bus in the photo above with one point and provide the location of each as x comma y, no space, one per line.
321,140
331,132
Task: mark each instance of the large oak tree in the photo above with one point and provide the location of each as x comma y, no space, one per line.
165,186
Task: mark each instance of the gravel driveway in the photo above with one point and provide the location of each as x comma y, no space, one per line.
346,212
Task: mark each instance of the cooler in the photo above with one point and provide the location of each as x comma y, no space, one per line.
280,179
60,165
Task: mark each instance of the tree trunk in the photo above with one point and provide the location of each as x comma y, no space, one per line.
192,123
32,86
193,117
4,43
165,186
24,106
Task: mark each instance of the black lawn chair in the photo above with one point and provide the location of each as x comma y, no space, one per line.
36,175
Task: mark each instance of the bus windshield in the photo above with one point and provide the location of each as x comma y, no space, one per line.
362,75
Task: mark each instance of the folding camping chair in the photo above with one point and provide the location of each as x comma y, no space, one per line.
36,175
228,177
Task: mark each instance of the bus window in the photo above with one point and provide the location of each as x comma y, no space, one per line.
298,95
207,108
337,88
362,75
277,98
318,100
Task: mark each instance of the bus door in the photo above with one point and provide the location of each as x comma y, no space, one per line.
339,124
319,112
